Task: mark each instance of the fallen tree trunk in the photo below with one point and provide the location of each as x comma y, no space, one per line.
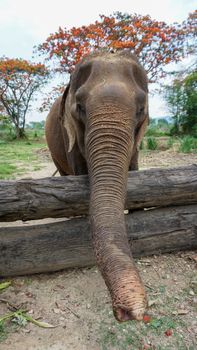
51,247
69,196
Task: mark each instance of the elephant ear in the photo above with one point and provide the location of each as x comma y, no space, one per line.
67,119
142,128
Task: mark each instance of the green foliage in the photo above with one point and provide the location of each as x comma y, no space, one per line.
182,101
155,131
4,285
3,333
36,125
162,122
188,144
7,131
20,318
152,143
158,127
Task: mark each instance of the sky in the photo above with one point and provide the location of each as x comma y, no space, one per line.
25,24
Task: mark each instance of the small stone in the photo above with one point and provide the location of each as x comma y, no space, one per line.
191,292
56,310
24,330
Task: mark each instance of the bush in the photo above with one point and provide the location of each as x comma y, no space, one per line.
157,131
152,143
188,144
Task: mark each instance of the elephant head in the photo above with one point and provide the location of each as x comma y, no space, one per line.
105,112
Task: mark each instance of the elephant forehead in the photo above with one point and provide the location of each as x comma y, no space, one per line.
113,88
112,64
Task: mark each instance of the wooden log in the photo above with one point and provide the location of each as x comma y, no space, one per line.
65,244
69,196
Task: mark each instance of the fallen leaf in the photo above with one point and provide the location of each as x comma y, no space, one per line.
182,312
4,285
39,323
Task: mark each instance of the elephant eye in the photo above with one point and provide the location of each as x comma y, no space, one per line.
80,108
140,110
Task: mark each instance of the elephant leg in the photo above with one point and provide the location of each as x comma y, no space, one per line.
134,161
59,168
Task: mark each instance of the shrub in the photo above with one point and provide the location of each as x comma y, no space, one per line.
188,144
152,143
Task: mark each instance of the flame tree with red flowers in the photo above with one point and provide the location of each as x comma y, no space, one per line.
19,81
155,43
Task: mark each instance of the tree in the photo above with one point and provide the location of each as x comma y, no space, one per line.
181,97
19,81
155,43
190,28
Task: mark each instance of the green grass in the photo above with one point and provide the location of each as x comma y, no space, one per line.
152,143
17,156
7,170
3,332
137,336
164,317
188,144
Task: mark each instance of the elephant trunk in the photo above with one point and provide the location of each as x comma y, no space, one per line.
109,146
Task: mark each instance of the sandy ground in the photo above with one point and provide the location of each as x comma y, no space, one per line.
77,302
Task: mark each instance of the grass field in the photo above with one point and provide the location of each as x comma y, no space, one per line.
19,157
16,157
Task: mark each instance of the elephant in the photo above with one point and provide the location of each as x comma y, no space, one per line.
95,128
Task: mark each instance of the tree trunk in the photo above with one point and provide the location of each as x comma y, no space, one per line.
20,132
51,247
69,196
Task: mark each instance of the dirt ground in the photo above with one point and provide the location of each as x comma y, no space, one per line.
77,303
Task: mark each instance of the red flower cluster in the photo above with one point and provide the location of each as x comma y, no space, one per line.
155,43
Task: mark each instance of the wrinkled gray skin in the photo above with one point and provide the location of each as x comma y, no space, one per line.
95,128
